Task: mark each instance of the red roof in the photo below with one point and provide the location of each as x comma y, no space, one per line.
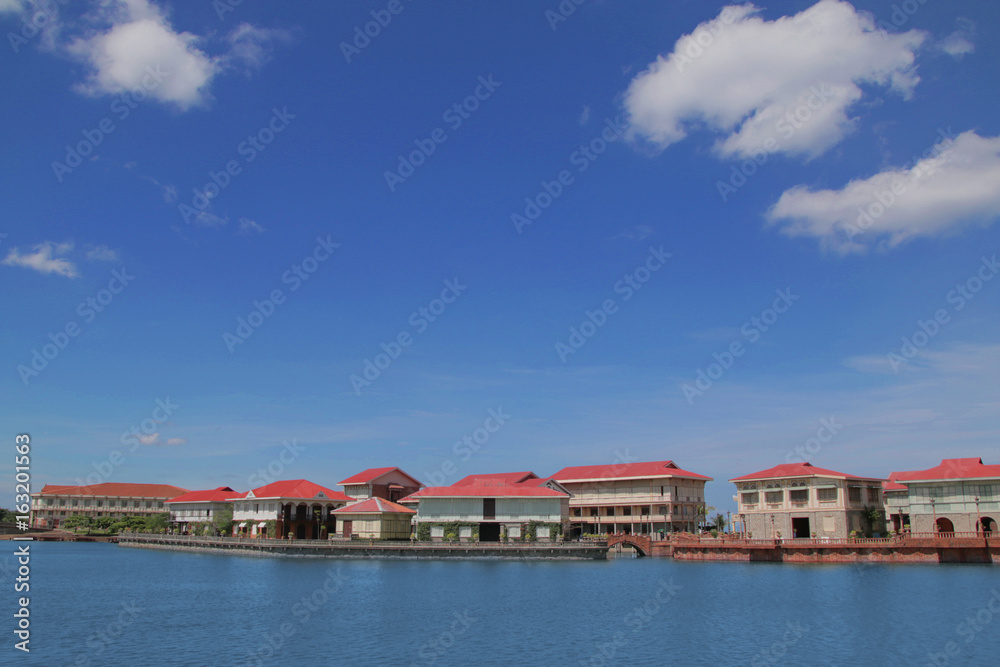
891,485
509,477
115,489
372,474
625,471
298,488
488,489
221,494
374,506
953,469
797,470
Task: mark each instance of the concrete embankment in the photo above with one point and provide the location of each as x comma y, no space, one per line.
933,550
366,549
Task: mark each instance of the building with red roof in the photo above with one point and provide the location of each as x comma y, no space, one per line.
960,495
388,483
487,507
896,498
802,500
295,508
509,477
375,518
55,502
649,497
198,510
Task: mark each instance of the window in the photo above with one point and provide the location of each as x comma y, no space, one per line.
854,494
798,495
489,508
75,502
256,507
826,495
100,503
577,512
774,496
593,511
874,495
749,498
626,511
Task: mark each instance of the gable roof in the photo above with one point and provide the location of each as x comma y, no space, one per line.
639,470
374,506
971,468
296,488
891,484
370,475
798,470
220,494
508,477
115,489
486,489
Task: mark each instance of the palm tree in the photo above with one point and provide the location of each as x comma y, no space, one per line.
719,522
702,511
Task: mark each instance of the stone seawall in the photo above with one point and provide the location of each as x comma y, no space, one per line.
841,553
389,550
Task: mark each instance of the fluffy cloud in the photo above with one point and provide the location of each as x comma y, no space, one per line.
46,258
102,253
138,47
248,226
791,80
173,442
11,5
956,184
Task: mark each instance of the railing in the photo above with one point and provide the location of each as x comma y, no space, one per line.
358,543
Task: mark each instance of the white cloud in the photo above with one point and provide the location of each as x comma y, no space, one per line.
958,44
637,233
139,48
956,185
584,115
171,442
46,258
150,439
791,80
102,253
11,5
248,226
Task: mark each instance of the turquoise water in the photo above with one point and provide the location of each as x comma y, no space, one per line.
100,604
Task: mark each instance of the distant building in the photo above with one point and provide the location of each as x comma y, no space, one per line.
51,505
374,518
294,508
196,507
388,483
958,495
799,499
642,497
488,506
896,498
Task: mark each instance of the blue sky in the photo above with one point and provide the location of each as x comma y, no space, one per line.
176,166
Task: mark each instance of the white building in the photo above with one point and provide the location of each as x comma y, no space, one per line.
200,507
294,508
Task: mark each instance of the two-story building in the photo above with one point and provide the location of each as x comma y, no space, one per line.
292,508
387,483
801,500
640,497
200,507
51,505
484,508
960,495
896,499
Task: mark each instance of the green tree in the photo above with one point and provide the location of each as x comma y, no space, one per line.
157,523
719,522
223,521
6,516
874,519
75,521
702,511
103,522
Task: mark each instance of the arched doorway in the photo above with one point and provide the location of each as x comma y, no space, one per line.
945,525
988,525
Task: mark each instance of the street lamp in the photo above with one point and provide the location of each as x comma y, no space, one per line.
979,519
934,510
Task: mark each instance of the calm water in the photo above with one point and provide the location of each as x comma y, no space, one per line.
97,604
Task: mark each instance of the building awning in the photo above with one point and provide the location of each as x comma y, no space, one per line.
243,524
825,486
262,524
